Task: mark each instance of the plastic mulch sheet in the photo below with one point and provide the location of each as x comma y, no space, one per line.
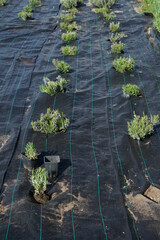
103,173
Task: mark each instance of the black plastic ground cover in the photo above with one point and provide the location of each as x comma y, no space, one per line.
20,47
103,172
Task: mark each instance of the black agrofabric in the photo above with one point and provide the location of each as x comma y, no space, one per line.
103,173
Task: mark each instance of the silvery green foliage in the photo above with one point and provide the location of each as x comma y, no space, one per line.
25,15
51,122
124,64
67,18
53,87
70,3
103,3
69,27
131,89
3,2
69,50
114,27
117,36
106,13
39,180
73,10
62,66
28,8
117,47
69,36
140,127
30,151
35,3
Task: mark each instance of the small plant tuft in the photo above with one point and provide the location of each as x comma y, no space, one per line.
62,66
51,87
73,26
3,2
30,151
117,36
69,36
28,8
67,18
64,26
25,15
69,50
131,89
140,127
73,11
103,3
35,3
114,27
69,27
70,3
124,64
109,16
39,180
101,10
117,47
51,122
106,14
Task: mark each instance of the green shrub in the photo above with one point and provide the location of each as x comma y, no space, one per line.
67,18
28,8
64,26
69,36
39,180
109,16
103,10
73,11
62,66
106,14
124,64
69,27
25,15
114,27
3,2
30,151
117,47
70,3
35,3
131,89
116,37
69,50
51,87
51,122
103,3
73,26
140,127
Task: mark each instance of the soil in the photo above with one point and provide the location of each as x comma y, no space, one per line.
41,198
3,141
